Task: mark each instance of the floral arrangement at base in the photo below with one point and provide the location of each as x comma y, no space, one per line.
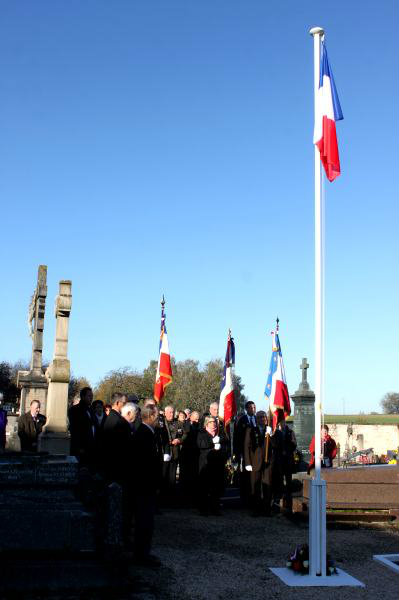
299,561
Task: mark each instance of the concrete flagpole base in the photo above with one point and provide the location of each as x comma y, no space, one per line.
292,579
317,528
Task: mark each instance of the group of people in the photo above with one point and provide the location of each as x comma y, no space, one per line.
161,457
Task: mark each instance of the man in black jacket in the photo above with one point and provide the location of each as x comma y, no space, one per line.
172,440
212,461
257,461
30,425
283,465
247,420
115,441
189,456
145,461
82,428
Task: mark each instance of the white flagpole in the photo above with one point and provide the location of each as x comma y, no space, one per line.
317,512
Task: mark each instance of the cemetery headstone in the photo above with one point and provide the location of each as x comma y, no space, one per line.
304,399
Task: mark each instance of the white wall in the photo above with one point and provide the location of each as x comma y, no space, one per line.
379,437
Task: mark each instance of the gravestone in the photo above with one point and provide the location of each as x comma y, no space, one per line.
55,438
38,505
304,399
33,383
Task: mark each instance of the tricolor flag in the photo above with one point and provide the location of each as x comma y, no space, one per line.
276,390
227,403
164,370
328,111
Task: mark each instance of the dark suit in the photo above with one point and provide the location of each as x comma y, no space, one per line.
117,453
145,462
172,430
283,465
189,456
240,429
29,430
239,435
117,437
211,464
261,474
82,429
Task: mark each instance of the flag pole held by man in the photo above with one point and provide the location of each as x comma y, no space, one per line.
164,370
276,391
227,403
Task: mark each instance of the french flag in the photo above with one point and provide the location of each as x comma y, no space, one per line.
227,403
276,391
327,112
164,370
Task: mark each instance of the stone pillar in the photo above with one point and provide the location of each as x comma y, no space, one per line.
33,383
55,436
304,400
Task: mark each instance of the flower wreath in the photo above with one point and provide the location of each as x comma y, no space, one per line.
299,561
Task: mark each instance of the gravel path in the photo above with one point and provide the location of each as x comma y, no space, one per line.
227,558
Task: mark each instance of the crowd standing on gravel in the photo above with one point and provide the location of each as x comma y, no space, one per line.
174,458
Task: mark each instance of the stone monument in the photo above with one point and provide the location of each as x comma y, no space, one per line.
55,438
304,400
33,382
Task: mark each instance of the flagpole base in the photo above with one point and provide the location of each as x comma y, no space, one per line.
292,579
317,528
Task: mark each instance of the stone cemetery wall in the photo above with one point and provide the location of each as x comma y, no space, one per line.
380,437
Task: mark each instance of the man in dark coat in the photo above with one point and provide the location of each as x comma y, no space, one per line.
172,440
145,461
115,441
283,465
245,421
160,435
257,461
189,455
212,461
30,426
82,428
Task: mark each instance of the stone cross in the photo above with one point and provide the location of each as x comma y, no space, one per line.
304,367
33,383
37,309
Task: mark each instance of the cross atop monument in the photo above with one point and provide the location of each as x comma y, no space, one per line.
304,367
36,320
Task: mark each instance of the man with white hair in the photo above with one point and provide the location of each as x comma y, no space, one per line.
214,413
130,412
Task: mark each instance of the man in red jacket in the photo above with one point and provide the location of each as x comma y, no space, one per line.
329,449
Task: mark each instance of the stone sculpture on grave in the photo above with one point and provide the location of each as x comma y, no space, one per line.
55,438
33,383
304,400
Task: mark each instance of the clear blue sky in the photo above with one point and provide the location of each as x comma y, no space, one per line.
150,147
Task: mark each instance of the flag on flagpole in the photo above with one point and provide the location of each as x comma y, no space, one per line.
164,370
227,403
327,112
276,390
